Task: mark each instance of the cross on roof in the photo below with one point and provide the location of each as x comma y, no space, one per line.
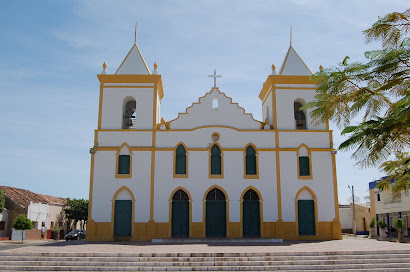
214,76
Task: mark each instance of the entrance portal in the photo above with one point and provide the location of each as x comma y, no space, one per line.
250,215
180,214
122,218
215,214
306,217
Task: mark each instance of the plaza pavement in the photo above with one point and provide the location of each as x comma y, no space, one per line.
348,244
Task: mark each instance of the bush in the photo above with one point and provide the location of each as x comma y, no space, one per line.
382,224
399,223
22,223
373,223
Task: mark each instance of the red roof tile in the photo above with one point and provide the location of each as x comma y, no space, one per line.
24,197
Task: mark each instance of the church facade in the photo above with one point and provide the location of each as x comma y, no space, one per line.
214,171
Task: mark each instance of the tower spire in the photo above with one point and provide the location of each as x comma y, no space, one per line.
290,35
135,34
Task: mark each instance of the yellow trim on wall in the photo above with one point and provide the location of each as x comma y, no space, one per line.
278,186
274,109
214,126
337,218
245,176
154,125
282,79
211,176
315,206
113,209
310,162
174,175
170,210
130,86
204,209
261,230
118,160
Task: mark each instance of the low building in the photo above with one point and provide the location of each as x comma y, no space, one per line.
389,206
3,223
43,210
363,218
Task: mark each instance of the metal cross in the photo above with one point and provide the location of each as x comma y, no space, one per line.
214,76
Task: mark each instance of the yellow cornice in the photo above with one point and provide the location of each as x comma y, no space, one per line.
133,79
282,79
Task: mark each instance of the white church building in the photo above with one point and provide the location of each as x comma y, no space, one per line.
214,171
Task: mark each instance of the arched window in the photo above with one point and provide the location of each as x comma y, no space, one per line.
128,116
215,194
180,195
216,161
304,162
180,160
250,161
215,104
300,118
250,195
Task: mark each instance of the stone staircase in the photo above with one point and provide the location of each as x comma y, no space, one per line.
398,260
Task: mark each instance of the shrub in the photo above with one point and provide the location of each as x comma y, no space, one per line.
382,224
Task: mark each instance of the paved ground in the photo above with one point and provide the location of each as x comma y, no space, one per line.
7,244
347,244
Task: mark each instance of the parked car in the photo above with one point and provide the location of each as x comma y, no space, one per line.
75,235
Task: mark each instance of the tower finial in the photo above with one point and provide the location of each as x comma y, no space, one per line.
135,36
290,35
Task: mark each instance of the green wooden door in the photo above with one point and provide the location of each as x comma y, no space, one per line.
122,218
180,218
306,217
215,218
250,216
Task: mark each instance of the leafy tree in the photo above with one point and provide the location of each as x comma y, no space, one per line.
2,200
22,223
379,90
77,210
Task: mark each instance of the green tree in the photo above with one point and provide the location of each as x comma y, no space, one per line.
378,91
2,200
22,223
77,210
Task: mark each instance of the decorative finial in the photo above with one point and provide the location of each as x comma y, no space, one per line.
273,70
135,34
214,76
104,70
320,68
155,72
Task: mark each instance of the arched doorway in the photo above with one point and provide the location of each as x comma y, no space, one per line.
123,209
306,213
250,215
180,214
215,213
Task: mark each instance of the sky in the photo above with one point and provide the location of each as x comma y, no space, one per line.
51,52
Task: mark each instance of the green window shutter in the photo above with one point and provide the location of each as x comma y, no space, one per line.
250,161
216,168
180,160
304,169
124,164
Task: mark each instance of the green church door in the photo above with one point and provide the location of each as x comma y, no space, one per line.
306,217
180,214
215,214
250,215
122,218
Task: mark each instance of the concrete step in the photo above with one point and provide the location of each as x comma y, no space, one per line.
355,267
215,241
203,263
204,259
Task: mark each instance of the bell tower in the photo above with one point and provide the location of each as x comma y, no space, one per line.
130,98
285,92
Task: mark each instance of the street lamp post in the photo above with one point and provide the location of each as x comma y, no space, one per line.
354,212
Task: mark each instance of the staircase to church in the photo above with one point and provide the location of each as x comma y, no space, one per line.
398,260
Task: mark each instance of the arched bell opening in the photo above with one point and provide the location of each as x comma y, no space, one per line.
128,117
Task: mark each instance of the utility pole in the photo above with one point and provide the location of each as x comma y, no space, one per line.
354,212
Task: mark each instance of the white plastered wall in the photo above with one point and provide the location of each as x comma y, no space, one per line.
105,184
203,114
321,184
268,113
130,136
311,139
113,107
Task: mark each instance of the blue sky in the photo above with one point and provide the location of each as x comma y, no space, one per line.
51,51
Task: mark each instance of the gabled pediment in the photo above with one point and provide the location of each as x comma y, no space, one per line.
293,65
133,64
215,109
